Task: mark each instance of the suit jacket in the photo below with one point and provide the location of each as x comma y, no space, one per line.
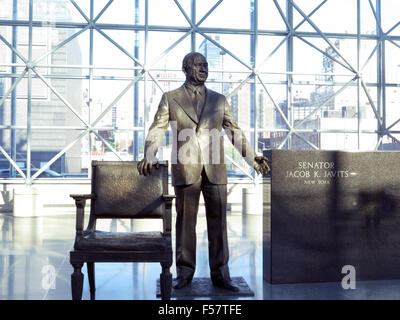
197,139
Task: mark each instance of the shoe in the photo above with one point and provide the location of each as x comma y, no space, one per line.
182,283
225,284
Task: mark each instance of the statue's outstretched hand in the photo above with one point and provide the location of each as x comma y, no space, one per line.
261,165
145,166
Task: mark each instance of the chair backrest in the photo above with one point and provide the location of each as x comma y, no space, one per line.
122,193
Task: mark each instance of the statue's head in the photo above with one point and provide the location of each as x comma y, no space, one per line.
195,67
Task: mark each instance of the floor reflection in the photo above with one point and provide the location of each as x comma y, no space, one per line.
33,250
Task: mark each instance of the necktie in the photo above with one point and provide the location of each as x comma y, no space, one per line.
197,100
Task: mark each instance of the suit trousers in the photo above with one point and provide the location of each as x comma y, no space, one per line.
187,205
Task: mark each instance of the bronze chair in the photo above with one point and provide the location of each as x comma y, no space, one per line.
118,191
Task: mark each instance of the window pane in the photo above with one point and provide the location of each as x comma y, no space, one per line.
368,118
347,140
277,138
112,106
269,17
326,17
392,70
15,104
393,110
216,51
124,12
390,17
160,13
14,143
6,9
308,57
46,144
368,60
167,49
84,6
367,17
74,52
50,12
271,54
229,14
107,55
265,109
103,151
21,12
50,110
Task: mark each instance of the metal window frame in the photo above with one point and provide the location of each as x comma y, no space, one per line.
143,69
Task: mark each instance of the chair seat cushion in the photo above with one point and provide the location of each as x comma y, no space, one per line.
122,241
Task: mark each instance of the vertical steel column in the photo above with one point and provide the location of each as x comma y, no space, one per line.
13,138
90,93
253,57
289,68
146,37
358,79
382,112
135,144
383,80
29,99
193,18
380,66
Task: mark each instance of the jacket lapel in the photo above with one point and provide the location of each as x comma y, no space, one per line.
183,101
208,106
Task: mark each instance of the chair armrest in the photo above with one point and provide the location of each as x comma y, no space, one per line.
168,198
80,202
82,196
167,218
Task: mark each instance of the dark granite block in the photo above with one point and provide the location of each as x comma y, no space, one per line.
203,287
330,209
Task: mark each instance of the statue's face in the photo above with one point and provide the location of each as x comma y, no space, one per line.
197,72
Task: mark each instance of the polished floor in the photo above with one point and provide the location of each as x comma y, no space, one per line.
33,251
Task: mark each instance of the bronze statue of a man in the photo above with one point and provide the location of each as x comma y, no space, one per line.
197,116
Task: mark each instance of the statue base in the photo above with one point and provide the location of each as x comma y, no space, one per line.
203,287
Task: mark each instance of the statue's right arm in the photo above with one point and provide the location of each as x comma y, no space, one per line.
155,136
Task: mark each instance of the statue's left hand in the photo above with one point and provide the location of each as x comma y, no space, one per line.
261,165
144,166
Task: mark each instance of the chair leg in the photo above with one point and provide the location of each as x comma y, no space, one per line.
165,281
77,281
92,286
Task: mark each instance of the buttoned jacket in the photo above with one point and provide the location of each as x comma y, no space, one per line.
197,138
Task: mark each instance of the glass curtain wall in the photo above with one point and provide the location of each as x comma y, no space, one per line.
80,80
